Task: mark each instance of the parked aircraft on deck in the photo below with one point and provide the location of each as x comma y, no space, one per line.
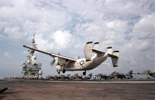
89,76
123,75
148,72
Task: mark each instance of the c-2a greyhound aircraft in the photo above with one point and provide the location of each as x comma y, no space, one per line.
89,62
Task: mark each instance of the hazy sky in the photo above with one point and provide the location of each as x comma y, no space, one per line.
66,25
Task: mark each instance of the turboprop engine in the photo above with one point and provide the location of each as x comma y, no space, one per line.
60,63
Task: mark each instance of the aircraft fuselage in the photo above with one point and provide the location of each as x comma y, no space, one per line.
82,64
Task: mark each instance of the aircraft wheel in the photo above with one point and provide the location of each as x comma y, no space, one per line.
84,73
63,70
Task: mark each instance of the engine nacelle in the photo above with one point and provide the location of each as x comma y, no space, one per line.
60,61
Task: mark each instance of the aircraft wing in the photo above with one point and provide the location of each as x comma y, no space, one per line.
51,54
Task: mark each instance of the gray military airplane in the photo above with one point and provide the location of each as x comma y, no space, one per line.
69,64
89,76
77,76
56,77
148,72
68,77
105,76
102,76
64,77
123,75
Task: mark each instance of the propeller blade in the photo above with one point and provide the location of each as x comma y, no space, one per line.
52,63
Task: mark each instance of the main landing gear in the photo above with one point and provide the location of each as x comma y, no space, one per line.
63,70
84,73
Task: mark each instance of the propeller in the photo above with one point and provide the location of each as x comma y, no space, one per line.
52,62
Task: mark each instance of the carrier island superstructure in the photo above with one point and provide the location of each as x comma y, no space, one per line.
30,68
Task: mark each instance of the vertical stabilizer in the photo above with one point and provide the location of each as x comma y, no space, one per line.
115,58
130,72
96,46
88,51
109,50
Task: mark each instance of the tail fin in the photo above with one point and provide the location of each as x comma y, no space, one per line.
95,49
130,72
96,45
115,58
109,50
88,51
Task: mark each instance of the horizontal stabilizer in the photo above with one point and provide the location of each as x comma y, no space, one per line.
97,51
113,56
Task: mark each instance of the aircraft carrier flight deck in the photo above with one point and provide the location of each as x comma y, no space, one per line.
19,89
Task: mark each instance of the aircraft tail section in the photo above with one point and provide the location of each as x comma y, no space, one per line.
131,72
96,49
109,50
96,46
88,51
115,58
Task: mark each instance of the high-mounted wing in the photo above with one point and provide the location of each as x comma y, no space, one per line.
51,54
